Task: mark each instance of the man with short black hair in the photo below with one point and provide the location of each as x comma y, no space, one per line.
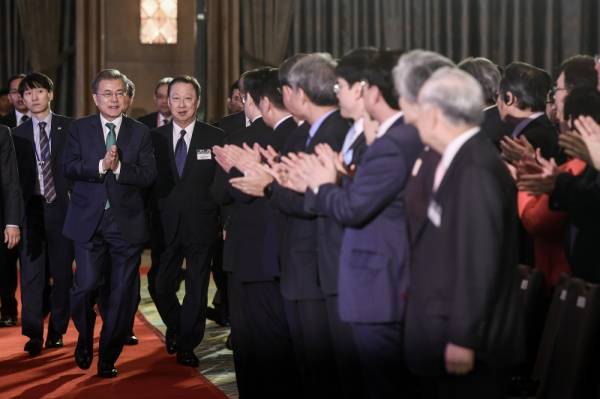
187,213
45,252
162,115
111,161
20,113
522,104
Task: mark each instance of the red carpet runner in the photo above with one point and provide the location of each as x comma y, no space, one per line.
145,371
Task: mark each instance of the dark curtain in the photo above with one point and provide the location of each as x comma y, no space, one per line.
12,48
45,46
265,29
222,53
541,32
89,54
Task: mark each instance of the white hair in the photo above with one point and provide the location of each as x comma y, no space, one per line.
414,68
456,93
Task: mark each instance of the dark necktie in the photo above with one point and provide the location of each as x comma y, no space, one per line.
49,188
25,118
165,122
180,153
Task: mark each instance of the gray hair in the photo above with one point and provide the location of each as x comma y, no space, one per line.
315,75
413,70
486,73
456,93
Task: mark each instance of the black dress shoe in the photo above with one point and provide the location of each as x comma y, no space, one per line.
218,315
171,342
83,356
8,321
107,370
54,341
33,346
131,340
187,358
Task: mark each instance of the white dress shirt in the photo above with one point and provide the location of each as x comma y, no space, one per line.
385,125
451,150
189,130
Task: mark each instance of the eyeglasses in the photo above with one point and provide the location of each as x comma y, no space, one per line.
111,94
555,89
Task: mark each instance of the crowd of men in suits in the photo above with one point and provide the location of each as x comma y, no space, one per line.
362,218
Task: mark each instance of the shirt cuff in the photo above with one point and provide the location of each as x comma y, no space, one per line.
100,168
12,225
118,170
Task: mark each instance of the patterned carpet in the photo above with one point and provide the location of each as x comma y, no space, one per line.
216,361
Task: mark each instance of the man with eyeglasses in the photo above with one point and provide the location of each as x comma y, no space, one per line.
110,158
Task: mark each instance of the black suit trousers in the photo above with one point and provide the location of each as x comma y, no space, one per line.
45,253
316,348
8,279
186,319
262,345
381,354
482,382
124,279
346,354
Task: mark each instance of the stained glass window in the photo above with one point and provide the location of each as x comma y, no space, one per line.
158,21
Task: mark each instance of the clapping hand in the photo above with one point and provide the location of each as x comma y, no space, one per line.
590,134
515,150
574,146
111,159
539,176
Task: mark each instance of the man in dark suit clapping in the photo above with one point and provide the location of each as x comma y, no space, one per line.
111,160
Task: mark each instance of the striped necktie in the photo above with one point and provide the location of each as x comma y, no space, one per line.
46,161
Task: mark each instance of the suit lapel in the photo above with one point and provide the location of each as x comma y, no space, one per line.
124,136
167,131
56,130
98,138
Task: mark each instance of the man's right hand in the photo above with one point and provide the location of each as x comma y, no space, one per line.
111,159
12,236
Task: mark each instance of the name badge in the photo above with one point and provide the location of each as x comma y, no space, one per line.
203,154
434,213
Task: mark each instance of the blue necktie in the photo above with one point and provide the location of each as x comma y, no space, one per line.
180,153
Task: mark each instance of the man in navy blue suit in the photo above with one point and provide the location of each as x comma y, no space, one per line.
110,158
45,252
373,268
